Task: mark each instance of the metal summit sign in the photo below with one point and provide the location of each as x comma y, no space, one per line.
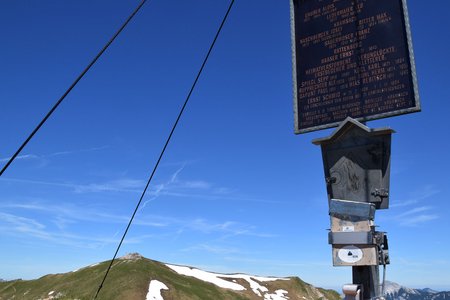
351,58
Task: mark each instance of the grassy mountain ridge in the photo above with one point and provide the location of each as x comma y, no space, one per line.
130,278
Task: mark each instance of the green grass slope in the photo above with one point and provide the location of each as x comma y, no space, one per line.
129,280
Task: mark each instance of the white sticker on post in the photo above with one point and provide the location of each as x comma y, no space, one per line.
348,228
350,254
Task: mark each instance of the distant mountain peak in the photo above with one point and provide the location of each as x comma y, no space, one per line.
431,291
395,291
392,287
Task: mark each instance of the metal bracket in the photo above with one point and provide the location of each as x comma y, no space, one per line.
383,248
380,194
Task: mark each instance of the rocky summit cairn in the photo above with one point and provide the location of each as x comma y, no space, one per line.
132,256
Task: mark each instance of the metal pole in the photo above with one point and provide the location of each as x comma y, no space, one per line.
369,278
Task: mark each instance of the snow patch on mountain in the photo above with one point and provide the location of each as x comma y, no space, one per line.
220,281
154,290
279,295
208,277
51,296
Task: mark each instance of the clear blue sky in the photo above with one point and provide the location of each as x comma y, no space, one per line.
237,191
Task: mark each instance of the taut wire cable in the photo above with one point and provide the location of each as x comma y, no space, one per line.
165,146
55,106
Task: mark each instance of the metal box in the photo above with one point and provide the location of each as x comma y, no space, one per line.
356,161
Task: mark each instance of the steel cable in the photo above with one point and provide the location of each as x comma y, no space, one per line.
55,106
165,145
